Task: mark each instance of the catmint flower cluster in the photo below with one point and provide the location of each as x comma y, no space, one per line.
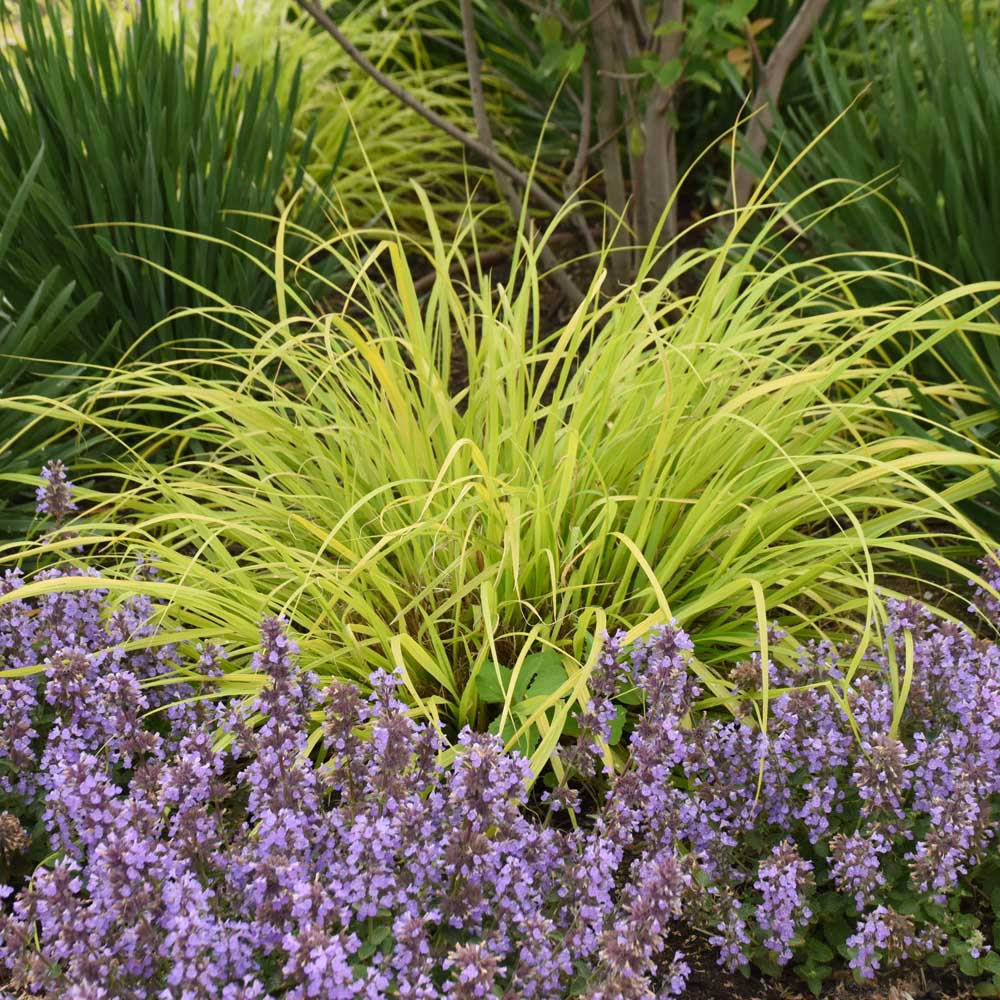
257,868
783,880
884,932
317,841
55,495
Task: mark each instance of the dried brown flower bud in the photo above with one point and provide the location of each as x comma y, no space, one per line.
13,837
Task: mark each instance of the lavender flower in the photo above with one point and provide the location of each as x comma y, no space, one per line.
983,601
474,970
882,779
856,867
784,881
371,865
884,933
733,935
55,495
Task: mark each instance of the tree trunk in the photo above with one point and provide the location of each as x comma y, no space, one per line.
610,67
768,91
658,182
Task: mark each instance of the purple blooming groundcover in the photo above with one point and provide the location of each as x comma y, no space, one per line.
160,845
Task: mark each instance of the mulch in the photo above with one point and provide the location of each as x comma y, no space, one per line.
713,984
709,982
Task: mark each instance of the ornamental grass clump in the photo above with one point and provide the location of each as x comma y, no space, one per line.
429,473
210,847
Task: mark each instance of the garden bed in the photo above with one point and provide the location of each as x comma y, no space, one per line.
482,583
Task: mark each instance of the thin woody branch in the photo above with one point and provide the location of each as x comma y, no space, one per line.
481,149
566,284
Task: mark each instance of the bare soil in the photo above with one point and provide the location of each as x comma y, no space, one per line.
709,982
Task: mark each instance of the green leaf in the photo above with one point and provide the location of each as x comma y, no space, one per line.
668,73
969,965
546,673
493,682
825,904
549,28
374,939
705,79
541,674
668,28
813,975
573,59
636,140
618,726
818,950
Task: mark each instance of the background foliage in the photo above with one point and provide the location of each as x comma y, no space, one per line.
909,169
44,325
148,169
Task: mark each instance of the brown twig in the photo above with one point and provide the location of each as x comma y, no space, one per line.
478,98
657,197
575,176
605,36
622,76
482,146
595,13
758,59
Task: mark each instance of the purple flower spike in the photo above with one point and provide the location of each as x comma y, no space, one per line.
55,495
355,859
783,881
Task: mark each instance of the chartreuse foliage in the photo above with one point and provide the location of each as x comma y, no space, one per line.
440,483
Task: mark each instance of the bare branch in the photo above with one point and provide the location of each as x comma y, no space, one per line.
482,146
659,179
476,94
609,60
575,176
481,149
758,59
